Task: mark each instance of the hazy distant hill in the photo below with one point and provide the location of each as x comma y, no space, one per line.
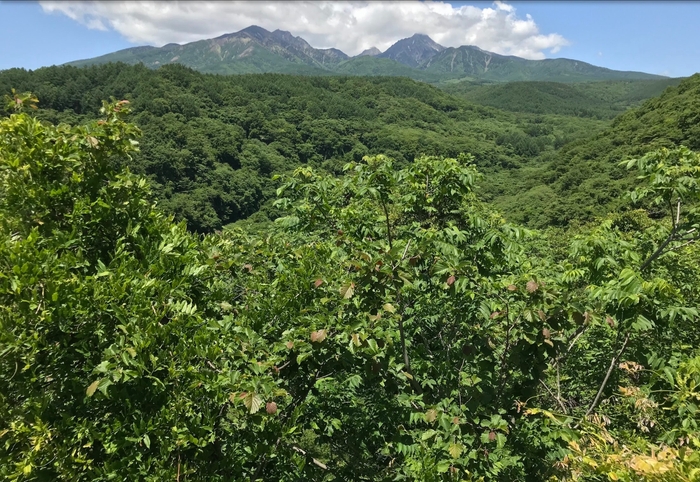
602,99
252,50
473,62
413,51
256,50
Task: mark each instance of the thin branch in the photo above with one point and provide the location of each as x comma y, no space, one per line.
388,224
577,335
683,245
613,362
558,399
658,251
177,479
416,386
559,385
678,214
403,256
316,462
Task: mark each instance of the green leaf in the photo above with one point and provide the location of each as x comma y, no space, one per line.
347,290
455,450
92,388
253,402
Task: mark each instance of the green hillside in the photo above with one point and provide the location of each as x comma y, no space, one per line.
374,66
603,99
213,143
256,50
473,62
584,179
211,57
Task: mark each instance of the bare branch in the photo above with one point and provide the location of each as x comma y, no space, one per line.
613,362
682,245
577,335
558,399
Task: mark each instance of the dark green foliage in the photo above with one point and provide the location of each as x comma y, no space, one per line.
212,143
585,179
389,326
602,100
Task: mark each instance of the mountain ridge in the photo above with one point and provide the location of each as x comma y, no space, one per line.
257,50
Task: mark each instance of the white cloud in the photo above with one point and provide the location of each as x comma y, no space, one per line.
350,26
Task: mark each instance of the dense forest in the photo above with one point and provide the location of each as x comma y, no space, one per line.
212,144
281,278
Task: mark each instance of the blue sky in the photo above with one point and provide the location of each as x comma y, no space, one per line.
655,37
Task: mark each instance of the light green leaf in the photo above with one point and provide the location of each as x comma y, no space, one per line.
347,290
92,388
253,402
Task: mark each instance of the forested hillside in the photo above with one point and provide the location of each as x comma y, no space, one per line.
389,325
584,179
602,100
212,144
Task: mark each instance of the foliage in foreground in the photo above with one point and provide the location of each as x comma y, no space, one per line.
390,327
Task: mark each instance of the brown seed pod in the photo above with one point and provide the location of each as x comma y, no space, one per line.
271,408
532,286
512,288
318,336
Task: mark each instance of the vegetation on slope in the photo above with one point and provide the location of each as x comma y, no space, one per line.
212,143
475,63
389,326
584,179
256,50
603,100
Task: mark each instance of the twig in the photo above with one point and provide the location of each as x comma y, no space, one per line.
177,479
578,334
658,251
388,224
613,362
403,256
561,404
683,245
315,461
559,384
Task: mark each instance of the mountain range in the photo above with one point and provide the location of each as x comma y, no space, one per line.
257,50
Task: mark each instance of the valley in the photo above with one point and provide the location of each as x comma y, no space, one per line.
248,259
